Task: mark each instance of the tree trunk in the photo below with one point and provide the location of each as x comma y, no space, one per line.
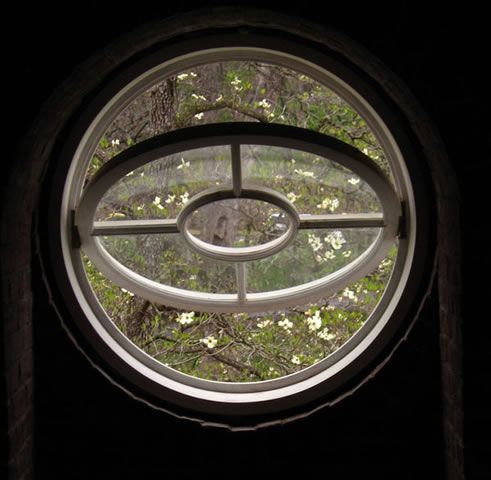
163,119
163,110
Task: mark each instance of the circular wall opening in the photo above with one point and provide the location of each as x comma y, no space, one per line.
239,228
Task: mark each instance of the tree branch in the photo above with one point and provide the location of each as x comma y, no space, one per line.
239,367
209,107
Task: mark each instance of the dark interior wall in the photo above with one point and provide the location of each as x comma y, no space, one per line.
392,427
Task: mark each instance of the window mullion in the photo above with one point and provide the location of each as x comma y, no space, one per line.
134,227
236,169
241,274
350,220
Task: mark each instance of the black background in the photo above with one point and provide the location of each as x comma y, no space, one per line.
392,427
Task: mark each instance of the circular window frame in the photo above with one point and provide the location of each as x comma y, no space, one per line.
235,135
320,380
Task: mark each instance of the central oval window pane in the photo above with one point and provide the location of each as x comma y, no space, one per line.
238,222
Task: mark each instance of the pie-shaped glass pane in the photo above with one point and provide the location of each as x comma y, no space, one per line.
166,259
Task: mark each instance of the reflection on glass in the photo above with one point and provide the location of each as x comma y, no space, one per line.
161,188
168,260
238,222
312,255
315,185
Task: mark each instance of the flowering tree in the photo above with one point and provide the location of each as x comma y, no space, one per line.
238,347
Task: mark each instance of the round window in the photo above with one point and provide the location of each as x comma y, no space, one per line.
237,224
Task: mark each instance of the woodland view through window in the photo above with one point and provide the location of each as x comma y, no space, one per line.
234,222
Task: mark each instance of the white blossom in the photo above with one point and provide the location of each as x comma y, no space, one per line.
170,198
199,116
185,318
328,255
264,104
236,83
329,203
304,173
347,253
354,181
156,202
295,360
386,263
315,321
210,341
292,197
326,335
264,323
219,98
183,164
183,76
198,97
335,239
131,294
184,198
115,142
350,294
314,242
285,324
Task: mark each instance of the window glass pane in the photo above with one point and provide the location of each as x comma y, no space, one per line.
161,188
238,222
312,255
167,259
315,185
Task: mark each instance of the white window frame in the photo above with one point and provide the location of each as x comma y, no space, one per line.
153,379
